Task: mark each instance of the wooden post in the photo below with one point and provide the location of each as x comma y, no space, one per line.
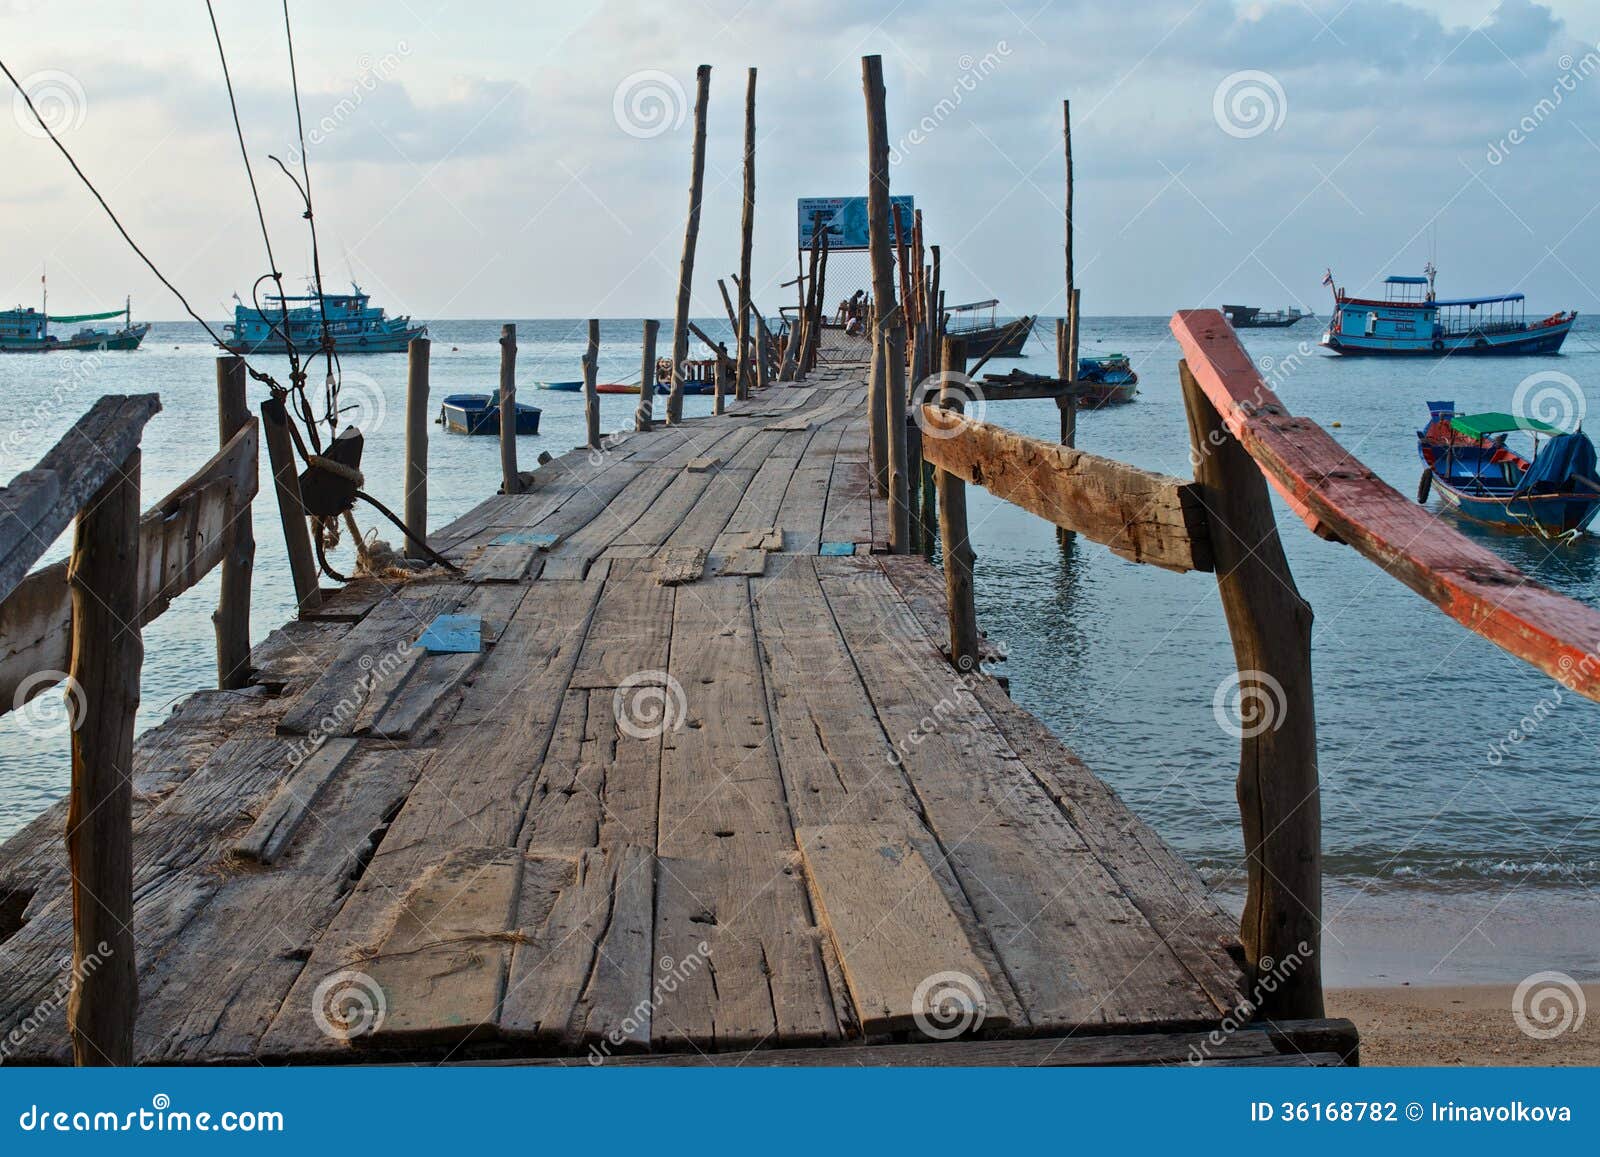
886,311
231,620
894,357
644,412
914,502
291,511
417,416
958,556
878,416
727,305
763,341
747,226
103,697
1279,804
820,310
691,234
591,395
808,311
1067,371
719,387
510,481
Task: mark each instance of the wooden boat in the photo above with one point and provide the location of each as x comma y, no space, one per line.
988,337
1553,493
627,388
27,331
1110,379
564,387
1254,317
352,324
480,414
700,376
1411,320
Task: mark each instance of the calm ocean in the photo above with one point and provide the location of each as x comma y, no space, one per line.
1422,788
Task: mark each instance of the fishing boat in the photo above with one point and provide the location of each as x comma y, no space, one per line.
1254,317
1109,379
1412,320
563,387
480,414
27,331
1554,492
986,337
353,325
628,388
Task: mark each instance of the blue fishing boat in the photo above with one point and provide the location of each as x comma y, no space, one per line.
1412,320
1109,380
1555,492
353,325
480,414
564,387
27,331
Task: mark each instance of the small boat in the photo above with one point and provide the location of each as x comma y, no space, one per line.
480,414
627,388
1553,493
1110,378
1412,320
700,376
353,326
564,387
1254,317
27,331
987,337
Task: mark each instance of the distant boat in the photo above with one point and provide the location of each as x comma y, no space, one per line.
480,414
699,377
628,388
985,337
1253,317
1110,378
564,387
353,326
1553,493
1411,320
27,331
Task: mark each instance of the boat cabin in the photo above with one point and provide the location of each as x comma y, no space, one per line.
21,325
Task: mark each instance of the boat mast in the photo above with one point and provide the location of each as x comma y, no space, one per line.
44,304
1432,273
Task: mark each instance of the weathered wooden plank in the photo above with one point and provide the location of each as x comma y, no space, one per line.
749,563
1332,489
503,564
276,825
904,952
678,565
1141,516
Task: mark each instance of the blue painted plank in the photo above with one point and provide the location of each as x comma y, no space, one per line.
834,549
524,538
453,635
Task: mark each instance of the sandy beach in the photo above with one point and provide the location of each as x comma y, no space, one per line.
1448,1024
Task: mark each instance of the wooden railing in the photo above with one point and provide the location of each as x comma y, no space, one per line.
79,621
1243,438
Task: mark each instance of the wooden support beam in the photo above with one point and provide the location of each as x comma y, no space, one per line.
727,305
691,234
417,421
1279,803
747,228
719,385
591,394
1143,517
763,344
958,557
644,412
894,357
291,510
878,242
231,620
510,480
106,655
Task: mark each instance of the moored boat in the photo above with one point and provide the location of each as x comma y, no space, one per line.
986,337
480,414
1555,492
699,377
563,387
1254,317
353,326
1109,380
1412,320
627,388
27,331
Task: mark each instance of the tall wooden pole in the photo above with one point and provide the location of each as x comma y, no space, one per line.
291,510
894,357
107,652
763,341
883,287
591,395
747,226
510,480
691,234
644,413
958,556
719,380
231,621
417,421
1279,800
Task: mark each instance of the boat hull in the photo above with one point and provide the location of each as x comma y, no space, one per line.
366,343
122,339
1541,339
999,341
478,414
624,388
1546,513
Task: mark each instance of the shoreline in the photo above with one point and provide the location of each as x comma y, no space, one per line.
1465,1024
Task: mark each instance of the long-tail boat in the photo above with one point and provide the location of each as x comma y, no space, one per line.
987,337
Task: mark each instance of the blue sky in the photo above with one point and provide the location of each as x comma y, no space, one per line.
497,160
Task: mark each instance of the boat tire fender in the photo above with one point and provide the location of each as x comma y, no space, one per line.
1438,346
1424,487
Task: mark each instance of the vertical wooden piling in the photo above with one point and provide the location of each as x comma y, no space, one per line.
591,395
958,556
510,481
691,234
894,358
644,412
291,510
747,226
808,306
878,416
883,288
763,342
1279,802
417,420
231,620
103,697
719,386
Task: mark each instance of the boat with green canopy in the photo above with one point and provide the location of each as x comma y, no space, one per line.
27,331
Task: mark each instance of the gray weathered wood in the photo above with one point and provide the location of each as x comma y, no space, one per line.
291,511
591,398
747,224
691,234
231,620
644,412
678,565
276,825
417,422
958,556
510,480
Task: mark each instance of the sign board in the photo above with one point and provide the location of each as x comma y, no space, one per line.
845,220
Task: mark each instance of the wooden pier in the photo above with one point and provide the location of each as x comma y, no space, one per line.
707,786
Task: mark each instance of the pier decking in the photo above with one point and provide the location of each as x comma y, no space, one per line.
709,786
